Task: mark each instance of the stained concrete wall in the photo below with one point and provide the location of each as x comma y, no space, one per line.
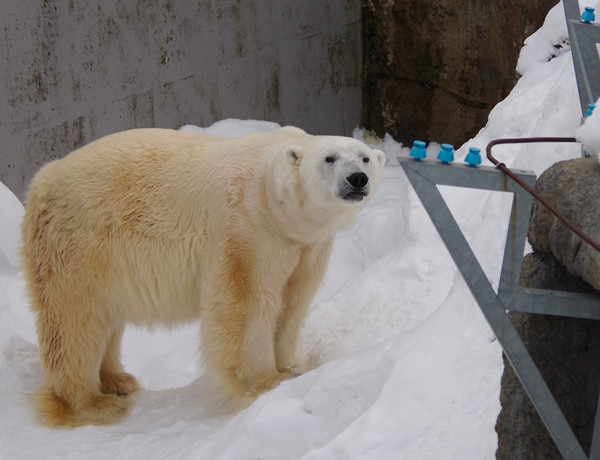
74,70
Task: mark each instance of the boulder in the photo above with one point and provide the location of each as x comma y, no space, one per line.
567,352
573,188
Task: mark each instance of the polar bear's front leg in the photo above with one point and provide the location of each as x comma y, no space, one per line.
240,313
301,289
237,343
258,368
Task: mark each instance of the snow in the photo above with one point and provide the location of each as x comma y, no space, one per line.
404,365
233,128
589,133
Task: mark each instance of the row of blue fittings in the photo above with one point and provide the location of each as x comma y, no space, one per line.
446,155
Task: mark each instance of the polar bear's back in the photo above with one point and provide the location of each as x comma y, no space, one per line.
128,176
161,155
154,178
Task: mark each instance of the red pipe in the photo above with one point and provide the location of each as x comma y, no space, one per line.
502,167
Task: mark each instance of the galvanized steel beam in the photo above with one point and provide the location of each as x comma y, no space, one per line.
583,38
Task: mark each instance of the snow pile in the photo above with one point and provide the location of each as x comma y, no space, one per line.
550,41
589,133
11,211
404,364
233,128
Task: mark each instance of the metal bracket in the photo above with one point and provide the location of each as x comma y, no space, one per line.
583,38
424,177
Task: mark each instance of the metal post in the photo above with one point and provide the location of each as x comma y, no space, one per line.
583,38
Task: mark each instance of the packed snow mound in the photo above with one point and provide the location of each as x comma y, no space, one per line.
547,43
12,212
233,128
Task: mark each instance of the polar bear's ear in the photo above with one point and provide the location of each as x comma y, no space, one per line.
380,157
293,154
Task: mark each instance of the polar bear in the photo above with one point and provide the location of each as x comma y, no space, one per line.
153,226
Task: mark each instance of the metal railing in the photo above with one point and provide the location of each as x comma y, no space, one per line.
583,38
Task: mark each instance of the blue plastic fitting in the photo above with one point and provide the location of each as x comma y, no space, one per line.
446,155
418,150
473,158
590,109
588,15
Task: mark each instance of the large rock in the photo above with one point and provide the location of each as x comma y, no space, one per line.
566,350
573,188
435,69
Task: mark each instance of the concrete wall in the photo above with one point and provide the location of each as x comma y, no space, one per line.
74,70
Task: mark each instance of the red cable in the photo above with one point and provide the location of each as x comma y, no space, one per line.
502,167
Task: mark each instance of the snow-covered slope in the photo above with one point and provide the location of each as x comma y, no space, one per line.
405,366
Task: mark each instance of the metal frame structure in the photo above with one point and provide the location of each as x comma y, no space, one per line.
424,177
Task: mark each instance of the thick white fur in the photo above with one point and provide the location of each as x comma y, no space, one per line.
161,227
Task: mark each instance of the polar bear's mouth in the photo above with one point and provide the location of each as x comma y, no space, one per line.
355,195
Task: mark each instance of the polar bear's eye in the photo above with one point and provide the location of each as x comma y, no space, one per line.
329,159
365,159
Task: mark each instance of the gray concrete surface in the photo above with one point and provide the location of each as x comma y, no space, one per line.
74,70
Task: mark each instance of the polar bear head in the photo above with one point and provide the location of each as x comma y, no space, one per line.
338,171
331,177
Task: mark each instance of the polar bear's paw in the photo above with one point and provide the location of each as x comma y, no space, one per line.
101,409
265,385
121,384
293,370
105,409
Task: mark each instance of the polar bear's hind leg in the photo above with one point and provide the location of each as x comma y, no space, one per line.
113,379
70,393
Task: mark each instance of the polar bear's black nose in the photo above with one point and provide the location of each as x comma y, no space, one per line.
358,180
